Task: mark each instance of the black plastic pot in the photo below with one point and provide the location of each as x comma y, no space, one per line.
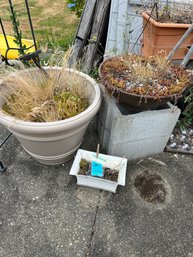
140,102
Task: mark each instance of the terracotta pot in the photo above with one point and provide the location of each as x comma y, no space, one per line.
55,142
164,36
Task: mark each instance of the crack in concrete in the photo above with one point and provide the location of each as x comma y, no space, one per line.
93,228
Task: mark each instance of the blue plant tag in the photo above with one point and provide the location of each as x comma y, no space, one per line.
96,169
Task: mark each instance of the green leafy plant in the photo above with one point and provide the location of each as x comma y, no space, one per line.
94,73
84,167
188,111
17,32
76,6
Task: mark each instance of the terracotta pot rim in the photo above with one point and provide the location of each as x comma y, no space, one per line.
165,25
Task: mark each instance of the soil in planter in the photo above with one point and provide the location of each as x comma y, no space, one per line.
145,76
108,174
65,105
174,16
150,187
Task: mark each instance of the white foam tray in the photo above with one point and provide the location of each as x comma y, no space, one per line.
109,161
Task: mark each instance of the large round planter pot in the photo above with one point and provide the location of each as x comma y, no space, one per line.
139,102
55,142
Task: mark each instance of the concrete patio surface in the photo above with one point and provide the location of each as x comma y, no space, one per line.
43,213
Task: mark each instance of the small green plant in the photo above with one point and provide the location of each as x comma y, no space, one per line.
94,73
84,167
188,111
76,6
108,173
166,8
17,32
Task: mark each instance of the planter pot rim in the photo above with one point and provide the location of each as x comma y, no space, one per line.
38,126
178,94
97,179
165,24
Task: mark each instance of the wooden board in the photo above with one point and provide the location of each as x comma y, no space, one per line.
83,30
101,10
86,19
178,150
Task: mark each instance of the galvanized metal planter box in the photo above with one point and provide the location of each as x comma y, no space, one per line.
123,132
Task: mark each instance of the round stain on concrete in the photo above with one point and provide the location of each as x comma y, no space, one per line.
151,187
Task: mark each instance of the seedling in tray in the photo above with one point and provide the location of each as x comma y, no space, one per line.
90,169
100,171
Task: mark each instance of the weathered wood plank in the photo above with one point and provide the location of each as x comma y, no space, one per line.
78,45
83,30
102,6
86,19
111,42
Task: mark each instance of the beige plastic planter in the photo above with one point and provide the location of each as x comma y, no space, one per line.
55,142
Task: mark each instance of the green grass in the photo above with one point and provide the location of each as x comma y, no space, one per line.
54,24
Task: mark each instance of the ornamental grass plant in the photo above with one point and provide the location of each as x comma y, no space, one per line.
43,95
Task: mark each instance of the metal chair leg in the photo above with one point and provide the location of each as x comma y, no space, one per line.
2,167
